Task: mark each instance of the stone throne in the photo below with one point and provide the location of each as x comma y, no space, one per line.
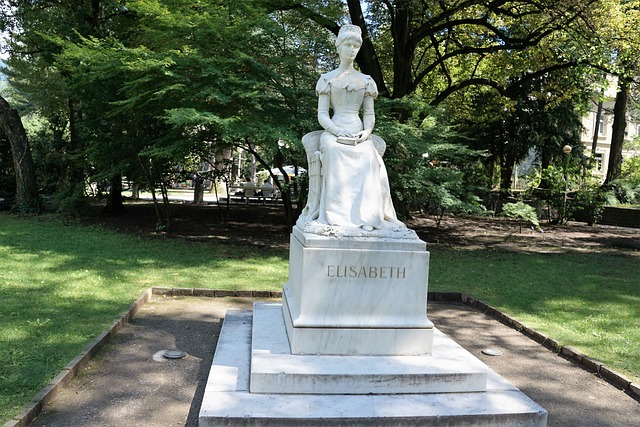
311,143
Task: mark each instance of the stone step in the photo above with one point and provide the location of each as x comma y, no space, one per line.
450,368
227,400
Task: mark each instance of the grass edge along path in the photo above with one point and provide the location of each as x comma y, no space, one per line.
587,301
61,286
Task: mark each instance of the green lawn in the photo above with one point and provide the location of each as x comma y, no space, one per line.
590,301
61,285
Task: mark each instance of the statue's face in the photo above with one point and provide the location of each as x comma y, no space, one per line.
348,49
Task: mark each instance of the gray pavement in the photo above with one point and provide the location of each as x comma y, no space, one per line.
129,383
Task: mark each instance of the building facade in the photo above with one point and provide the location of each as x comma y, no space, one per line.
602,125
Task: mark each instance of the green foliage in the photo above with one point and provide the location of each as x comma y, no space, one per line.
135,89
521,212
631,170
539,118
624,191
445,190
590,200
627,187
429,166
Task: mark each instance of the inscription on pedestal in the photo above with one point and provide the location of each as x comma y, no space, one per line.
362,272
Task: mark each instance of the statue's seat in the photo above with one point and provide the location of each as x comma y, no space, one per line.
311,143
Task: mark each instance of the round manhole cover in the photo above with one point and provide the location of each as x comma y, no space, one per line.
491,352
174,354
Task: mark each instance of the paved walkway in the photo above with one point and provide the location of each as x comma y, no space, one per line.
130,384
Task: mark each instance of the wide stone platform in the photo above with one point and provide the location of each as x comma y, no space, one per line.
229,400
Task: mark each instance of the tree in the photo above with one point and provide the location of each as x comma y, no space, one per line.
442,47
141,86
194,81
610,43
541,118
26,186
35,28
618,131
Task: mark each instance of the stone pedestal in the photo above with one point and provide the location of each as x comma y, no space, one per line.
305,396
275,369
351,344
357,296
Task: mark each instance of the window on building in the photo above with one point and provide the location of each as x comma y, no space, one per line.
598,159
601,125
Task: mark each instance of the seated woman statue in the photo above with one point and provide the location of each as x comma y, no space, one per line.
355,188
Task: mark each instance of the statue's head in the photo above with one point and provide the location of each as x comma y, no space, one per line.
349,32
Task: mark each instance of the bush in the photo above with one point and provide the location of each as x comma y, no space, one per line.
444,191
624,191
429,168
590,200
521,212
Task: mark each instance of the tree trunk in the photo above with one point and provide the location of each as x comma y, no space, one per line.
367,58
617,135
26,185
114,202
135,191
545,162
403,52
198,190
596,130
76,171
506,174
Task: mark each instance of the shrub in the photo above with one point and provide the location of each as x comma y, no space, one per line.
624,191
522,212
590,199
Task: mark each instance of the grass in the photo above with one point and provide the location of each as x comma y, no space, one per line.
61,285
590,301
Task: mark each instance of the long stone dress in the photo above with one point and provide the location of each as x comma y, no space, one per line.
355,190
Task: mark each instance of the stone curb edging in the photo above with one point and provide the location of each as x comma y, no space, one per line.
213,293
33,408
573,355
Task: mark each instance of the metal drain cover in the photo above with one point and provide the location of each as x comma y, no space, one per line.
174,354
492,352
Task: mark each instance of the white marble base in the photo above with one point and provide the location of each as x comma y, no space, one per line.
357,296
356,341
274,369
227,400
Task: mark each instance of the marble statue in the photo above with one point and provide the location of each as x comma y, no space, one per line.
348,185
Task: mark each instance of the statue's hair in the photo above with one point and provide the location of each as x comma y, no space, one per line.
349,31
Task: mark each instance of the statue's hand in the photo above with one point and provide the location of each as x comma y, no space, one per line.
363,136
